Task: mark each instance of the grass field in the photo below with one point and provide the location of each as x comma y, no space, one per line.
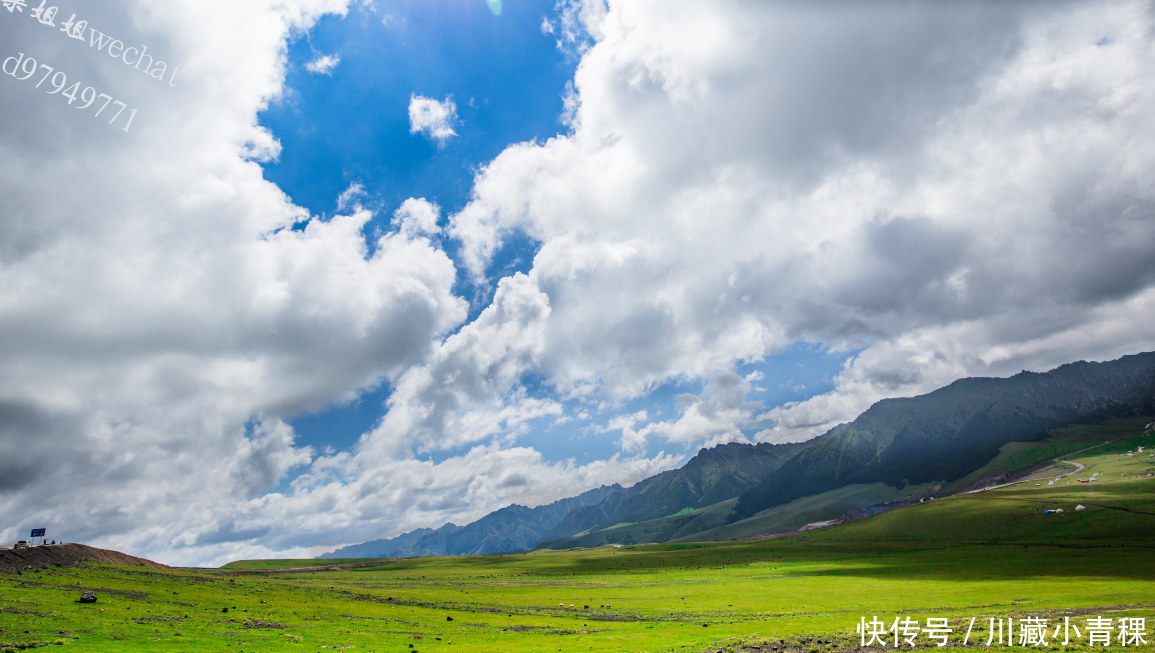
988,555
265,565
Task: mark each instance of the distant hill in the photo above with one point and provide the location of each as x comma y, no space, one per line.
713,475
738,490
389,548
510,529
945,435
717,522
586,518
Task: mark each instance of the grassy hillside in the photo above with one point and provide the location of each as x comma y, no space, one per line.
654,530
714,522
799,513
288,563
951,432
1019,458
1120,509
713,475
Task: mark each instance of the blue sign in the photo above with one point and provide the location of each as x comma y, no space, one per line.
38,532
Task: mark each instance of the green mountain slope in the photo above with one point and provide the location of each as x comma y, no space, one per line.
714,475
800,512
1016,460
949,433
716,522
585,518
651,531
1118,508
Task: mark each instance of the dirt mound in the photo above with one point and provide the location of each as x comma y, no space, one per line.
65,555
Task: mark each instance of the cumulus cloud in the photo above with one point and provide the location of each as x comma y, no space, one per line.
162,315
432,118
394,495
166,316
576,25
323,65
716,416
418,217
938,185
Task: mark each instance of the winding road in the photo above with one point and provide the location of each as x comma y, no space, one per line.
1080,467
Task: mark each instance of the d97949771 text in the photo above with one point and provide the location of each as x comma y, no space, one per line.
29,67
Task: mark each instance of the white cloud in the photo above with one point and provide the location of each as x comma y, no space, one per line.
323,65
388,497
577,25
716,417
351,196
432,118
942,181
162,319
418,217
161,316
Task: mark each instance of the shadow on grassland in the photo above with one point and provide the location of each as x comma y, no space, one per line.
982,562
941,541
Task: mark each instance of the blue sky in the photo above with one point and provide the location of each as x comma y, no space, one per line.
507,78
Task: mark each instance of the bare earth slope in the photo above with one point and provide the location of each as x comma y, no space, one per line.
12,560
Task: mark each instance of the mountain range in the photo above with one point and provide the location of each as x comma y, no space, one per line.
897,450
509,529
945,435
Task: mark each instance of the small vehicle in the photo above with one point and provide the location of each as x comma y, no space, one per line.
22,544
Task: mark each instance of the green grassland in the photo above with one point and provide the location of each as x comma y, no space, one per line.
265,565
992,554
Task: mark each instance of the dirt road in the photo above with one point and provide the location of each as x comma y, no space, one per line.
1079,467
